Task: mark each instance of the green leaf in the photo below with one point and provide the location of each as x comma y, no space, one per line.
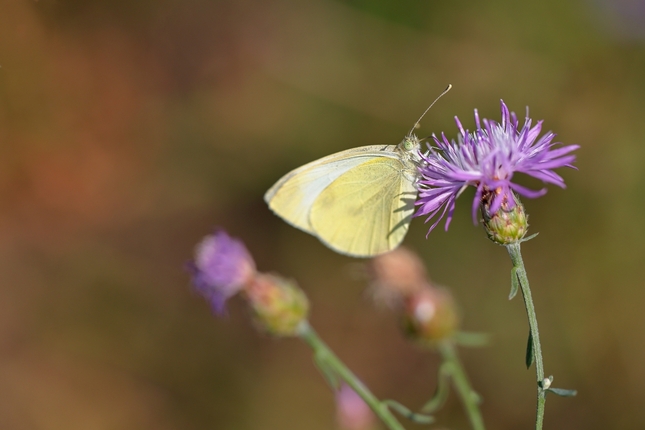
529,351
442,391
562,392
407,413
529,238
466,338
515,283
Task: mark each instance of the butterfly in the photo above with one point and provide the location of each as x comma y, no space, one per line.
359,202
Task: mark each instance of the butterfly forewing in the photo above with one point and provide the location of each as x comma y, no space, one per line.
295,193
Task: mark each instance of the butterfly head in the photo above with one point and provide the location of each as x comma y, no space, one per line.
410,148
410,143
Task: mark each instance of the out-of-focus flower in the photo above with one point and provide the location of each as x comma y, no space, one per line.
279,305
431,315
352,412
487,159
400,280
397,274
222,267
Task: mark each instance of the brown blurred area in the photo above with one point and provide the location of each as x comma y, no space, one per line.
129,130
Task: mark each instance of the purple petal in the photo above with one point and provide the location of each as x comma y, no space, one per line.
526,192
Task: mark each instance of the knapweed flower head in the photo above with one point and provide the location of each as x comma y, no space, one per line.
487,159
222,267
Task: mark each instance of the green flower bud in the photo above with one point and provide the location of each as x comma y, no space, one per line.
279,305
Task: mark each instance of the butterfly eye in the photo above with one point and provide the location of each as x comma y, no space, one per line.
408,145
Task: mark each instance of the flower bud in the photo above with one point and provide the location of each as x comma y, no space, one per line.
508,224
222,267
430,315
279,306
397,274
400,279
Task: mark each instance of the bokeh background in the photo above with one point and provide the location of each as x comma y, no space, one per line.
129,130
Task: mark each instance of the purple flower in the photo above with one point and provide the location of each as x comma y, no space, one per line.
487,159
222,267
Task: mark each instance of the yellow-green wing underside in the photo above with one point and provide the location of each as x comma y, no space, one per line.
295,193
367,210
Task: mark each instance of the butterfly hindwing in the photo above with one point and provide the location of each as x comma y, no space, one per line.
366,210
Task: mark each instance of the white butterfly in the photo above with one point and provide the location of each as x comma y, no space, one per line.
358,202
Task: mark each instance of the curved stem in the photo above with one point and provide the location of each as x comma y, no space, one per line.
518,264
468,396
326,356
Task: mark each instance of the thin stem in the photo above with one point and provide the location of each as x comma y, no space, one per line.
325,355
465,391
516,258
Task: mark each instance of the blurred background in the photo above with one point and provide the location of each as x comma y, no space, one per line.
129,130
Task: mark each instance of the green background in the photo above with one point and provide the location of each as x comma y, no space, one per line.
129,130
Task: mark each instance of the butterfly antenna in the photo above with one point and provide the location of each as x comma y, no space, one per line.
416,124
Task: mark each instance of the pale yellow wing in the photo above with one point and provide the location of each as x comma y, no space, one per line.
293,196
367,210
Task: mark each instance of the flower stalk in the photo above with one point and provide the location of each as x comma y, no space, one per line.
430,319
333,367
536,349
468,396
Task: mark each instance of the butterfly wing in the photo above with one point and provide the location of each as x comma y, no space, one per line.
293,196
367,210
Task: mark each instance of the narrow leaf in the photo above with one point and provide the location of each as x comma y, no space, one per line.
529,351
441,393
562,392
529,237
466,338
407,413
515,283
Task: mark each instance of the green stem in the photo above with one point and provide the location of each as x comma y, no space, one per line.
516,258
465,391
324,354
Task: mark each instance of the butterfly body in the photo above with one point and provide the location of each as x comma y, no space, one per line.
358,202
